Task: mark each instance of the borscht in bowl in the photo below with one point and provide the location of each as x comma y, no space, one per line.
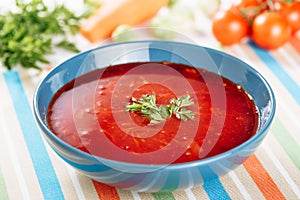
154,115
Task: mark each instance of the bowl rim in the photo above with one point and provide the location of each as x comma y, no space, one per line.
260,134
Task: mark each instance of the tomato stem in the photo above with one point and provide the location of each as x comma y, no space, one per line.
270,4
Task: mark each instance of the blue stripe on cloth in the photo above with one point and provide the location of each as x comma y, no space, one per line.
40,159
282,75
213,186
215,189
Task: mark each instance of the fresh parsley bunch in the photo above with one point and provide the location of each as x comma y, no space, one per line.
26,35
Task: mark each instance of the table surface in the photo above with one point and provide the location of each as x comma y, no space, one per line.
29,169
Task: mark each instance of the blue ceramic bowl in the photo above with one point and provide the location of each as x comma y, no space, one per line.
152,178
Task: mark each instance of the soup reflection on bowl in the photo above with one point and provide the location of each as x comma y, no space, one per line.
154,115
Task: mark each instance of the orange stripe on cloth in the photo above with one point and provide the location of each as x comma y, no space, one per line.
295,42
105,191
262,179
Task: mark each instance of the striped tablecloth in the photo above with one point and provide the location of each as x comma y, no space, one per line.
29,169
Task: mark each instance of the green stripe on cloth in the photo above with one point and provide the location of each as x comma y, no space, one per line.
3,190
287,142
163,196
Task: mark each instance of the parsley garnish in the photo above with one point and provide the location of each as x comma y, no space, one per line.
147,106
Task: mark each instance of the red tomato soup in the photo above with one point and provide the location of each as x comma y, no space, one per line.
90,113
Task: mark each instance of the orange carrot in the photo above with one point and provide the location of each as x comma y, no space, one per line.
114,13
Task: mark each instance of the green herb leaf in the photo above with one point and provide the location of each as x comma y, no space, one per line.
147,106
26,34
68,46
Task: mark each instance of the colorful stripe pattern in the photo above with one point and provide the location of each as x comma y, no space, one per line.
33,139
29,168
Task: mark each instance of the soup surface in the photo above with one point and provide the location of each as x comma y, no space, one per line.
90,113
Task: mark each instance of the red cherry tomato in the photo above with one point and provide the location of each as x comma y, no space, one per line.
279,6
292,15
270,30
229,27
